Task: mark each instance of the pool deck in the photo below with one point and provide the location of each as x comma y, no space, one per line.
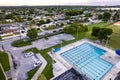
109,56
63,65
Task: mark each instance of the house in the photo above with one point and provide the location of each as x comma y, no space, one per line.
8,29
9,20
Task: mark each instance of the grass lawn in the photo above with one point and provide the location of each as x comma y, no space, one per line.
4,60
31,73
2,76
42,77
35,50
114,41
21,43
100,24
115,37
10,79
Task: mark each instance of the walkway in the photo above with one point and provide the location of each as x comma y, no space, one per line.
44,63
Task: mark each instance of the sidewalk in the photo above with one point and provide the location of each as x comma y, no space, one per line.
12,70
44,63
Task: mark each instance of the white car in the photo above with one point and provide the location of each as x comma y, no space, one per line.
38,63
29,54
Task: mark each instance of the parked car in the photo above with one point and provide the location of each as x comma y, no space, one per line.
60,30
38,63
54,31
29,54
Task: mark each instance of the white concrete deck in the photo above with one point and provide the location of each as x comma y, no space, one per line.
109,56
64,66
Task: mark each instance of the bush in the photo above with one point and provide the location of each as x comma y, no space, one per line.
21,43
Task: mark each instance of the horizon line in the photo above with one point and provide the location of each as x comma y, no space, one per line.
60,5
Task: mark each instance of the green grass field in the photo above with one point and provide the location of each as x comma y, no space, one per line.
35,50
114,41
2,76
31,73
4,60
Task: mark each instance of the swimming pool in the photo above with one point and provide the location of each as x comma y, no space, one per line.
86,58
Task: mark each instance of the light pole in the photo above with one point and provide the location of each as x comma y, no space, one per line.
77,33
108,36
61,40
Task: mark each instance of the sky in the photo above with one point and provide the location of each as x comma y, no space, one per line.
57,2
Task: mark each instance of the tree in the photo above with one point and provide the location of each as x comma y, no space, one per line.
61,24
67,17
100,16
116,16
29,18
106,16
95,31
41,22
88,15
101,33
85,19
9,16
75,27
73,12
3,11
18,19
48,21
104,32
32,34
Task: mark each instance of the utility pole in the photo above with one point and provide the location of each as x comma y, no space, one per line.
108,36
61,43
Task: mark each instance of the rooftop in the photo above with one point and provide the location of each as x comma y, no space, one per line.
71,74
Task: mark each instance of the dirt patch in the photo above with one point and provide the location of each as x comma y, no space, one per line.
117,23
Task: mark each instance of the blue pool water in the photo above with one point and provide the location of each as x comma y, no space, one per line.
86,58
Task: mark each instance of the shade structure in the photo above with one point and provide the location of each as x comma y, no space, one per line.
56,50
118,52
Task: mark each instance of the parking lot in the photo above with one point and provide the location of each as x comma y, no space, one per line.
53,40
26,64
